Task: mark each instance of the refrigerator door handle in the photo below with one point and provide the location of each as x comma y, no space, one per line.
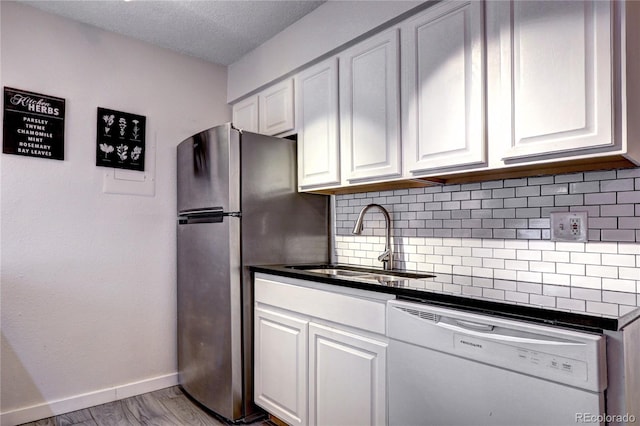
209,215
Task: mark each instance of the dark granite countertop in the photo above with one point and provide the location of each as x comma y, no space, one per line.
575,308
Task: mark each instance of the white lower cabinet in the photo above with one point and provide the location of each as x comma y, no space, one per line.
319,355
280,357
346,378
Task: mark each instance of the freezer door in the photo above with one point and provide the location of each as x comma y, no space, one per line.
209,170
209,317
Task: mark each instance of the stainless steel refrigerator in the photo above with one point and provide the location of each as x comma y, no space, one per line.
238,206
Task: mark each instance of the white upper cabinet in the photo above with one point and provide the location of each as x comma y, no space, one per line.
443,77
317,116
276,108
370,108
554,86
245,114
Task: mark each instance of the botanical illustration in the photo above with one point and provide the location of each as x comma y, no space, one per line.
123,125
124,146
122,151
107,149
108,122
135,154
135,132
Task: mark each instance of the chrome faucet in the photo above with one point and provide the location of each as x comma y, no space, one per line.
387,256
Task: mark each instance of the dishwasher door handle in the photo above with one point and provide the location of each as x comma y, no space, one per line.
490,335
474,325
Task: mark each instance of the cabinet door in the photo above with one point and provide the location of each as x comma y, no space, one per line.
555,77
347,378
280,365
276,108
317,111
443,87
370,108
245,114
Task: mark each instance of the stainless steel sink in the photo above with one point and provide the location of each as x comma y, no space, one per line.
362,274
334,271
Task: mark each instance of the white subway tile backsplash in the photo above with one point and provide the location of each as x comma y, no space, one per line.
504,284
482,252
529,255
619,297
586,282
492,293
535,277
556,291
586,294
586,258
584,187
472,261
629,273
617,185
505,274
571,304
516,265
629,249
500,230
482,272
601,271
600,175
629,197
462,270
493,263
619,260
602,308
555,189
514,296
617,210
542,300
443,269
556,279
572,247
629,286
548,267
617,235
527,287
556,256
570,268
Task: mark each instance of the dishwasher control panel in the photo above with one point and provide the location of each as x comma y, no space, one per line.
571,357
518,358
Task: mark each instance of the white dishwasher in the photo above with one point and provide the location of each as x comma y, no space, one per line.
449,367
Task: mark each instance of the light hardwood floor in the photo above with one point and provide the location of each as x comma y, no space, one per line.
166,407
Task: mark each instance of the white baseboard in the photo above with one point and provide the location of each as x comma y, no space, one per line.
86,400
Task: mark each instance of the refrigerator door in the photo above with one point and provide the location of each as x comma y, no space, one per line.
209,171
209,314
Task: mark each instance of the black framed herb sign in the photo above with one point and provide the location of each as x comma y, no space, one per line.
120,140
33,124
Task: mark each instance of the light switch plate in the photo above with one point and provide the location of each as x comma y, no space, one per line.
131,182
569,226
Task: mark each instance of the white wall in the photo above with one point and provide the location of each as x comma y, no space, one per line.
324,29
87,278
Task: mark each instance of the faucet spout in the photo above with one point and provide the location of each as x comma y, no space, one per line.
387,256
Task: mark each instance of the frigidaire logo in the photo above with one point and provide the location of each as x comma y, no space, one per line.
475,345
33,105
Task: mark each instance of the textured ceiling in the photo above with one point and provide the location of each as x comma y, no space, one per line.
215,30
